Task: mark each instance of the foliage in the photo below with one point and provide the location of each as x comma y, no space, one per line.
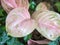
57,4
14,41
32,5
7,40
56,42
26,38
4,38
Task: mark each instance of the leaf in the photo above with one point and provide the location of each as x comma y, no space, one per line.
32,5
26,38
3,38
52,43
1,30
56,42
14,41
57,4
2,12
1,44
3,15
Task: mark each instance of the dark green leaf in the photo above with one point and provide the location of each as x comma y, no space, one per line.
14,41
52,43
32,5
2,12
26,38
56,42
57,4
3,38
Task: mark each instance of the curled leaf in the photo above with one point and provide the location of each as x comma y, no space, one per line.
19,23
48,24
33,42
42,6
8,5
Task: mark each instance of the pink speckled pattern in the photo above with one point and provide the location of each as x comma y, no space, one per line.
19,23
8,5
48,24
